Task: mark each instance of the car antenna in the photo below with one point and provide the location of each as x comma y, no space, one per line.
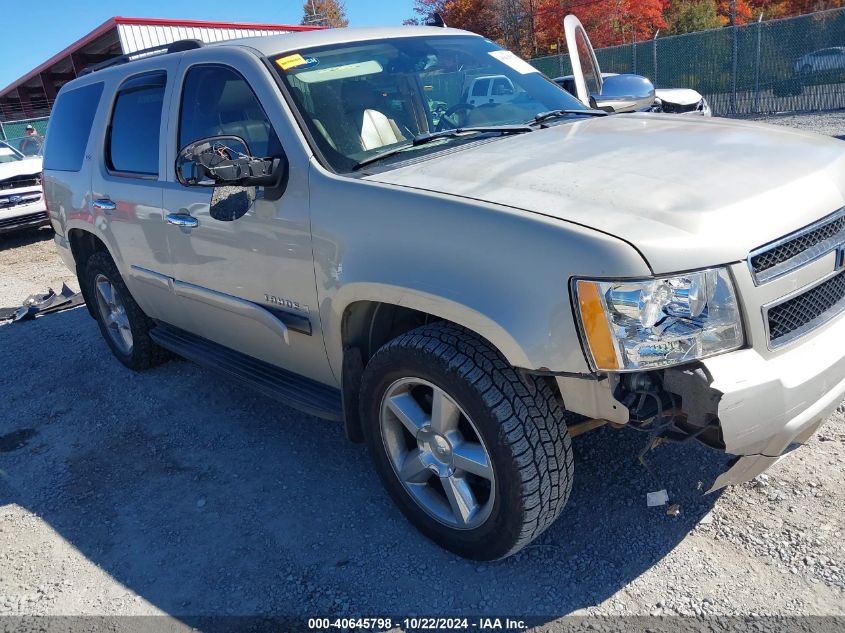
435,19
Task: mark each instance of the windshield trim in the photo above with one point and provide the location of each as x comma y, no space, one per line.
445,136
425,153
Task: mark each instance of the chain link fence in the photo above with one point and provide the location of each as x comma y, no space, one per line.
790,65
15,129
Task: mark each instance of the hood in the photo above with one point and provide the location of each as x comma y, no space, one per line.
686,192
23,167
681,96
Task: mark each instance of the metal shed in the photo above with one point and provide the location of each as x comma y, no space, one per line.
32,96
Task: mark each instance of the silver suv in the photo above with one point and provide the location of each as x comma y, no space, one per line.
326,217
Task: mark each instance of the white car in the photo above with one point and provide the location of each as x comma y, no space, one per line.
671,100
491,89
821,61
588,82
22,203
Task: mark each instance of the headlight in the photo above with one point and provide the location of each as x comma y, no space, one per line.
648,323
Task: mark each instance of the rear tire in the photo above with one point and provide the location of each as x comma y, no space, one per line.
123,324
516,422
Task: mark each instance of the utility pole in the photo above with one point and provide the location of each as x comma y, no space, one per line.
559,58
735,56
757,67
654,55
633,48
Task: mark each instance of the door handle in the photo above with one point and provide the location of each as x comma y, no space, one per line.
182,219
104,204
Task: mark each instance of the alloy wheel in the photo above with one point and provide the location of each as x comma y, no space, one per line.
113,314
437,453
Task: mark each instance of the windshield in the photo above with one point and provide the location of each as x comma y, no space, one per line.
8,155
362,99
27,145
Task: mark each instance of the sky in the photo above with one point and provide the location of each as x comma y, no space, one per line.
45,27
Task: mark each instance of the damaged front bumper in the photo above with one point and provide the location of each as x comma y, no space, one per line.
769,406
754,406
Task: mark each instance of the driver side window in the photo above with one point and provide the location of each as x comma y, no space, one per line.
216,101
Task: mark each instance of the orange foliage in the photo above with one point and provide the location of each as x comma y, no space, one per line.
535,27
787,8
744,12
478,16
608,23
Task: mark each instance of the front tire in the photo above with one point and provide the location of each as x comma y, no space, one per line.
122,323
478,458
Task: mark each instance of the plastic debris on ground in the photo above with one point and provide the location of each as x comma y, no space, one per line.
37,305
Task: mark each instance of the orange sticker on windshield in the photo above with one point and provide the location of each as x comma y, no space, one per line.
291,61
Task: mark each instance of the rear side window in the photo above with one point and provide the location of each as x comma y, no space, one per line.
70,126
133,137
480,88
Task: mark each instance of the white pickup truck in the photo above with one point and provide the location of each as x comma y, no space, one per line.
21,199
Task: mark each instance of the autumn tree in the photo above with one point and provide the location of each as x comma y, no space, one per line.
772,9
331,13
425,8
478,16
535,27
744,11
608,22
688,16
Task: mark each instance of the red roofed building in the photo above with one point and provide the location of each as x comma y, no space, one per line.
33,94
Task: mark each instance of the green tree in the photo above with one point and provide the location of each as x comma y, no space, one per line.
688,16
331,13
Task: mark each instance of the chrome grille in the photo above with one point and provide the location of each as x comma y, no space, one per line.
797,316
798,249
677,108
19,182
15,200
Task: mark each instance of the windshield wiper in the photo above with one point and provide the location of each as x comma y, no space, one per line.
428,137
422,139
557,114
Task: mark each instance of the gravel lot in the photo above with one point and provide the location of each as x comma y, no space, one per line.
29,265
173,492
832,123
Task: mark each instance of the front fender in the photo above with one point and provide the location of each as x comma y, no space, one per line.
501,272
429,303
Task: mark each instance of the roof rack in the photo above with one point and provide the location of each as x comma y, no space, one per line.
174,47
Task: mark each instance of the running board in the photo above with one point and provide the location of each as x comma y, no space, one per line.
297,391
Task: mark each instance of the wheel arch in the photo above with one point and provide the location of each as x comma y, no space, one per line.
368,321
84,243
354,303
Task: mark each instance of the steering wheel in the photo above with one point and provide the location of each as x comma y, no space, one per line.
444,118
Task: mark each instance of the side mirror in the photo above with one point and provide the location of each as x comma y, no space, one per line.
227,160
625,93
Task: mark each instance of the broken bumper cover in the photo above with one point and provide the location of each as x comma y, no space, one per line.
769,406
